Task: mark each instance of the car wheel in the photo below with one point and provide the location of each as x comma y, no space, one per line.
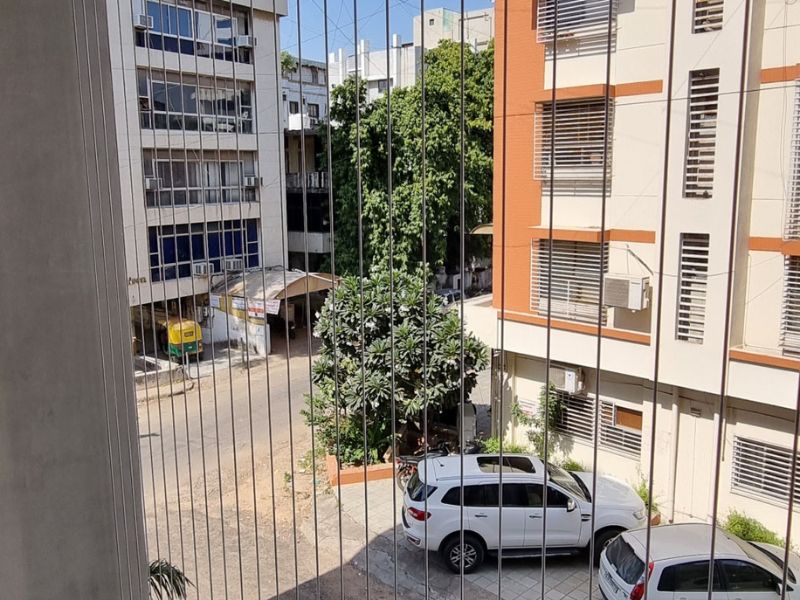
601,540
473,553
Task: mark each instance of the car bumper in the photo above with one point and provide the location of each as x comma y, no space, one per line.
415,534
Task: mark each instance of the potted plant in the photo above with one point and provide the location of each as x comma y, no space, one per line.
643,489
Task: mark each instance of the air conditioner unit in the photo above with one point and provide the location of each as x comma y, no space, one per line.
234,264
626,291
141,21
251,181
567,379
245,41
152,183
200,269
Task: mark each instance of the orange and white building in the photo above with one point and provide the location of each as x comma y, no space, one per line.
727,78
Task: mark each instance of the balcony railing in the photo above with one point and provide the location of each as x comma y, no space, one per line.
315,180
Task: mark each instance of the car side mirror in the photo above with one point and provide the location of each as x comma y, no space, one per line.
571,505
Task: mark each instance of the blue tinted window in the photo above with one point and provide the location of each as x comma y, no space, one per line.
154,11
185,22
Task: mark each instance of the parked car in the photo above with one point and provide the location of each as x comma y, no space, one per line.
450,295
569,508
678,566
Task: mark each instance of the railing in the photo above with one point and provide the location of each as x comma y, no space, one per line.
315,180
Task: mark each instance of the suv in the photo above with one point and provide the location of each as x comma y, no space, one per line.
569,508
678,566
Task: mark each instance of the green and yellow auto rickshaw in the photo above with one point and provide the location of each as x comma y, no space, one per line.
181,337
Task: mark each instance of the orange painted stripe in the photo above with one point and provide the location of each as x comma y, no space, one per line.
770,244
593,235
606,332
767,360
778,74
598,90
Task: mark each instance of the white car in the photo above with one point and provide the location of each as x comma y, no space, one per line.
678,566
569,508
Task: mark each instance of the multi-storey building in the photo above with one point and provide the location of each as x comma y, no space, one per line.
200,142
706,123
302,120
404,58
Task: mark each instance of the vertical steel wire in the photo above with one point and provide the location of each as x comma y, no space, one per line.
501,366
304,190
329,157
424,199
359,196
246,349
660,286
549,318
390,208
461,249
787,548
90,211
601,294
729,291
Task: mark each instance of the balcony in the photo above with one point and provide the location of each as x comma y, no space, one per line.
316,181
302,122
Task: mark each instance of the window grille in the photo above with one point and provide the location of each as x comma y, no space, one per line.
707,15
762,469
577,420
578,141
692,287
574,19
575,289
792,226
790,323
698,177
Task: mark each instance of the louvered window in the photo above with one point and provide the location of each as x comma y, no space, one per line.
762,469
578,139
698,177
707,15
575,279
692,287
573,19
790,323
620,428
792,229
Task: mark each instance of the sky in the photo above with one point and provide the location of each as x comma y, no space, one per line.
371,22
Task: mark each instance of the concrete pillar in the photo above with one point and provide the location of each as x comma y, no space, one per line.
70,492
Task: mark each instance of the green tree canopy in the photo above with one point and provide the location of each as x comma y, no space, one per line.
342,337
443,162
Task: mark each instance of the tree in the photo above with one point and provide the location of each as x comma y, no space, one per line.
342,338
549,410
288,63
443,154
167,581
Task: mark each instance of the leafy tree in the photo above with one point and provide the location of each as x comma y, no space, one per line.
443,160
440,384
549,410
288,63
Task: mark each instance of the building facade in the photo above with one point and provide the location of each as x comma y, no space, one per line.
302,121
200,142
404,58
663,133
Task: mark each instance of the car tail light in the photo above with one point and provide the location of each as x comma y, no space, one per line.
417,514
638,590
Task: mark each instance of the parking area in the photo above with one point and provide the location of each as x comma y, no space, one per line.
567,578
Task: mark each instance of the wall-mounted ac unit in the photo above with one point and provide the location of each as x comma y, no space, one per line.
245,41
200,269
567,379
152,183
142,22
626,291
251,181
234,264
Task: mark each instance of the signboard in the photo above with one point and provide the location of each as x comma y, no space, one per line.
213,300
273,307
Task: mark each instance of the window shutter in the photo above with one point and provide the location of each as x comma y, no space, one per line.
792,227
698,178
707,16
790,323
575,279
692,287
577,420
762,469
574,18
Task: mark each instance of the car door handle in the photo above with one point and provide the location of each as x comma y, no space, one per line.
534,516
481,516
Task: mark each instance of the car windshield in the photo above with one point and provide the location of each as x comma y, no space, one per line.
417,490
624,560
567,480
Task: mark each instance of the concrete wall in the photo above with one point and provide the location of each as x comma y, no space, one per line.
70,505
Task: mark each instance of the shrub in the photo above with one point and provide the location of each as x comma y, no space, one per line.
642,489
492,446
570,464
750,529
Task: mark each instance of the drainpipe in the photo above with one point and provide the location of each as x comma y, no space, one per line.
673,470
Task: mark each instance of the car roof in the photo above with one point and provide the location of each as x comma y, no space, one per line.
448,468
684,540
